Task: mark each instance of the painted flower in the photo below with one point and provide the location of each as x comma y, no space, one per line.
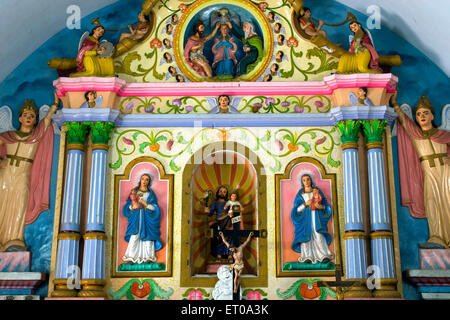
292,42
169,145
262,6
254,295
298,110
309,291
156,43
224,134
189,108
291,147
129,105
149,109
285,104
279,144
140,290
182,7
318,103
256,107
195,295
154,147
269,101
322,140
177,102
127,141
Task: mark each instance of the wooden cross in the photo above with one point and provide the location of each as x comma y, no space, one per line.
338,284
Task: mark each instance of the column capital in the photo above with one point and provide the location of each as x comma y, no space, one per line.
373,130
101,132
76,132
349,130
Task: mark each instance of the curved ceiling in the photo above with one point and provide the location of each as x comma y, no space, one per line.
423,25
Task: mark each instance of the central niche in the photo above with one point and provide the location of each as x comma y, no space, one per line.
235,171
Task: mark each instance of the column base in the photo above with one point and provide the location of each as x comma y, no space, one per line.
92,288
358,292
388,289
61,289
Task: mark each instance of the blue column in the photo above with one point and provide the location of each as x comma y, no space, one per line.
380,224
355,236
93,275
68,239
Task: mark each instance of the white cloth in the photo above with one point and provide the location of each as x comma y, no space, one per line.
140,251
315,250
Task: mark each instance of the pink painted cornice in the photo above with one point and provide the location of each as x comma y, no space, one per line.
325,87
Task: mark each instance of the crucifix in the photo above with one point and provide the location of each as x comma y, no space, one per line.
338,284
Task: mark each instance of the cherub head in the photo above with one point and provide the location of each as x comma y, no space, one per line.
274,68
277,27
167,57
172,70
169,28
361,93
179,78
167,43
271,16
280,39
174,19
224,101
267,77
90,96
279,56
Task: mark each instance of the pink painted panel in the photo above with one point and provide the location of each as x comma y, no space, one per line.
161,189
289,189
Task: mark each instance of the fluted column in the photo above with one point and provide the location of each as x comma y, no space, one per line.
380,224
69,233
93,273
355,236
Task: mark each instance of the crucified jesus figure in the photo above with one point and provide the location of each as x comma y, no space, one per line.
238,257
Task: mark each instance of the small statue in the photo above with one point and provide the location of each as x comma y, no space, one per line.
361,56
233,204
316,200
238,256
308,25
223,289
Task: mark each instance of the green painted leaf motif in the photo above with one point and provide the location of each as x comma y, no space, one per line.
297,54
306,146
150,55
128,60
136,134
161,138
143,145
293,289
173,166
116,164
204,136
333,162
181,139
277,166
312,134
288,137
266,136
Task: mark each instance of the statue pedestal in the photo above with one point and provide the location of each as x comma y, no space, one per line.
433,277
16,280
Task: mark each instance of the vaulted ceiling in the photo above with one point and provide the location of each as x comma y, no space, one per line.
27,24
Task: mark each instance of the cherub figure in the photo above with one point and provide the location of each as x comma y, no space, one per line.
233,204
274,68
179,78
267,78
92,100
360,98
316,200
167,43
280,40
135,204
278,28
238,257
224,104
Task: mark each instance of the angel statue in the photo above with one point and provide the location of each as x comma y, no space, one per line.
223,104
424,169
25,168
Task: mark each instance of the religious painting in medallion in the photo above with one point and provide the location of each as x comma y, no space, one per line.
223,41
307,225
142,244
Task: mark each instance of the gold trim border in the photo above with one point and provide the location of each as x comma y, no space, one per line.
349,145
381,235
75,146
95,236
100,146
374,145
69,236
336,230
355,235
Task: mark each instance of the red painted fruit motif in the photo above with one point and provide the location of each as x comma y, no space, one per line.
140,290
309,291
